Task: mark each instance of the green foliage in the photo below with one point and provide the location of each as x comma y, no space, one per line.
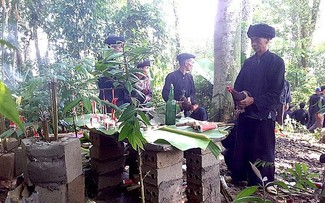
132,119
7,44
301,176
293,42
8,106
246,195
74,78
261,163
204,71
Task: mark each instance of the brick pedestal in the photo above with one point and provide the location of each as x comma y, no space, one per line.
107,161
202,173
163,171
55,169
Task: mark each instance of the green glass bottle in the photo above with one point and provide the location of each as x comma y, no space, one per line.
170,114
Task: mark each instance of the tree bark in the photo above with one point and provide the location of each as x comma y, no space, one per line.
247,18
227,48
37,50
177,35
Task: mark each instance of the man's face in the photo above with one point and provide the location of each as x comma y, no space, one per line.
259,44
145,70
117,47
189,64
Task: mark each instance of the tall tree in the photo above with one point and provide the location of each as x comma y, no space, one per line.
227,49
247,18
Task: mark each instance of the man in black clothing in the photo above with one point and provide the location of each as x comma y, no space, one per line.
183,85
143,85
285,100
263,76
313,107
196,112
106,84
317,103
300,115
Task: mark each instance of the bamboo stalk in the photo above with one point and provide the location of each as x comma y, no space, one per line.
141,177
54,108
189,134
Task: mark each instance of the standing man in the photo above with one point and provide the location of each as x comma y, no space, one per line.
319,117
184,87
263,76
143,85
106,83
285,100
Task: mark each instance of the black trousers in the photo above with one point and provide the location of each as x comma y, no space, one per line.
255,141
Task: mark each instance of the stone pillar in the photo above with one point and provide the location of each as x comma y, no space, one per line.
163,174
203,178
107,161
55,168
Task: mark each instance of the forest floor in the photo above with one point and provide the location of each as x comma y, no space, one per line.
291,148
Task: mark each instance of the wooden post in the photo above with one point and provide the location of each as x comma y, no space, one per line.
53,86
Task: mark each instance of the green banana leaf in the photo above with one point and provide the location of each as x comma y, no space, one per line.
8,107
184,142
166,134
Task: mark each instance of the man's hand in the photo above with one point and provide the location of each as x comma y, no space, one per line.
246,102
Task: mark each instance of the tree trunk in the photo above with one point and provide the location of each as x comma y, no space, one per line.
177,38
3,21
37,50
227,48
247,18
13,39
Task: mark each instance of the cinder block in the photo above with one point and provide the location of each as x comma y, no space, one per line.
198,151
102,140
156,176
109,180
10,143
57,161
52,194
76,190
73,192
73,160
170,191
162,159
47,172
209,193
199,176
7,166
197,161
107,152
102,167
19,161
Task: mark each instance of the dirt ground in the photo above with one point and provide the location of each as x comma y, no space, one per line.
291,148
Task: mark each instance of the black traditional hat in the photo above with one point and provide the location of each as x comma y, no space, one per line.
261,30
184,56
143,64
112,39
